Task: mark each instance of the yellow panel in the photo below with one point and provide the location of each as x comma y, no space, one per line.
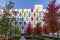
37,10
34,23
25,14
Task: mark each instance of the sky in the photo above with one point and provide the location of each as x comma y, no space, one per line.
22,4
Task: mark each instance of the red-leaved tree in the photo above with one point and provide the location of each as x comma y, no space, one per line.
29,29
46,30
38,29
51,16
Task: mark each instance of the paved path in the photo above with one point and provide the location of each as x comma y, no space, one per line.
31,39
23,38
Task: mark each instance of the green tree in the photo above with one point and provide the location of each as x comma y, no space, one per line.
16,30
6,21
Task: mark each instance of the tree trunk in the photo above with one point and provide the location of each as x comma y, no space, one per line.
53,34
58,34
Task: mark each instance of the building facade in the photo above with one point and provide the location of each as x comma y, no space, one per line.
24,16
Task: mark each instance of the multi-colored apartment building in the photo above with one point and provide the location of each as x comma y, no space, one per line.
24,16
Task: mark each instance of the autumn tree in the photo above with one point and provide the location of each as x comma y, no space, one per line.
46,30
50,17
38,29
58,27
29,29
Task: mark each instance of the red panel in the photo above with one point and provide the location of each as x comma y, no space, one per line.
32,10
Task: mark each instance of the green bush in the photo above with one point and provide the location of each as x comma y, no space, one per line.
41,37
38,37
16,38
48,39
27,36
54,38
45,38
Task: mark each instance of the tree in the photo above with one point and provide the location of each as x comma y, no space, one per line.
38,29
51,16
58,18
9,6
29,29
46,30
58,27
16,30
6,21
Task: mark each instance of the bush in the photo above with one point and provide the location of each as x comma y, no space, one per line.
55,38
38,37
41,37
45,38
48,39
27,36
16,38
